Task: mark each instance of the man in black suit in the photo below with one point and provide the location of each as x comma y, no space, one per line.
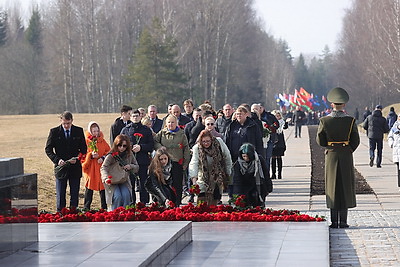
156,123
66,142
120,123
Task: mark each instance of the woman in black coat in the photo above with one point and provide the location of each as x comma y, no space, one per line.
159,181
279,147
250,176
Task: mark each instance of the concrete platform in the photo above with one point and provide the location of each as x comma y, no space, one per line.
104,244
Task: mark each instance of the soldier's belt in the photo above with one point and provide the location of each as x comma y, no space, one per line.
341,143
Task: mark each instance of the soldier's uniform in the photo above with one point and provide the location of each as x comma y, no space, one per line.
338,133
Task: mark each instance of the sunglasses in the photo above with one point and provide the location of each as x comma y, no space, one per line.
208,124
121,145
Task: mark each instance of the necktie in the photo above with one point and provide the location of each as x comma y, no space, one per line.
67,131
152,122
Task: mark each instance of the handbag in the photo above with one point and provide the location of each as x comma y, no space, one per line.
119,175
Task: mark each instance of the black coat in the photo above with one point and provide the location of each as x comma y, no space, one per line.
157,125
58,147
159,191
221,124
376,125
236,135
245,184
116,128
188,132
146,142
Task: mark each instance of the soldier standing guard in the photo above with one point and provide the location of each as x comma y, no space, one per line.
338,133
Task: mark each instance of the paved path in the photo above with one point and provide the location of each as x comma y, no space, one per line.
374,235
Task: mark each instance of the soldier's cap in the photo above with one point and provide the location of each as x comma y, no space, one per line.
338,95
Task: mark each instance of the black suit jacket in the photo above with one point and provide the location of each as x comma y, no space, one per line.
58,147
157,126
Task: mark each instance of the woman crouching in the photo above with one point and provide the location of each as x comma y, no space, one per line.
250,176
159,181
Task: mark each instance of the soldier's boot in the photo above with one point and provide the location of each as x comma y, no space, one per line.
334,218
343,219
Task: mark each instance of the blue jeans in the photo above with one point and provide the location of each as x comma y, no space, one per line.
378,145
61,191
121,197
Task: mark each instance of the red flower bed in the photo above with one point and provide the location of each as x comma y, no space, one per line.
200,213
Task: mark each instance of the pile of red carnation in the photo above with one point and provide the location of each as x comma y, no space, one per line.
28,215
190,212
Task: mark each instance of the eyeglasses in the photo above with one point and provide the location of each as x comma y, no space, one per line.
208,124
122,145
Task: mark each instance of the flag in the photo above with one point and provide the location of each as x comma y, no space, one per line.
304,94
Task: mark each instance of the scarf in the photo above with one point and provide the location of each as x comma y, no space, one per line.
217,169
166,172
281,125
253,166
174,131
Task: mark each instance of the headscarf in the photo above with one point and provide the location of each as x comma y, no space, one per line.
217,170
252,166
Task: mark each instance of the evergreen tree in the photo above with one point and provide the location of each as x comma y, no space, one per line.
34,32
154,75
3,27
302,76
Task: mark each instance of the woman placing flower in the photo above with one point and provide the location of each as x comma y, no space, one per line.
250,176
210,167
115,173
174,140
159,181
97,149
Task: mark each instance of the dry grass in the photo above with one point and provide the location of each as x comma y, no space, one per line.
25,136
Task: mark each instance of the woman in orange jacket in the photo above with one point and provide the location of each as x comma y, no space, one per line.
97,150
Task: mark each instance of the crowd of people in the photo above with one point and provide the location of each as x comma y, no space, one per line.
229,150
235,150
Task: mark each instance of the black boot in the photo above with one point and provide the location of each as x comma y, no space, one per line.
334,218
273,168
103,199
279,168
88,198
343,219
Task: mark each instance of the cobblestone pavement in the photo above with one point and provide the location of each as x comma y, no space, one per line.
373,239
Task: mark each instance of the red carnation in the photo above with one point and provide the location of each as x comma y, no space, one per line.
182,126
114,154
138,135
108,181
90,137
180,162
181,146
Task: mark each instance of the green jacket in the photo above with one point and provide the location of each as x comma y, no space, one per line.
176,144
339,168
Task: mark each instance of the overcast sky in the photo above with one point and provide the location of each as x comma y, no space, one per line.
307,25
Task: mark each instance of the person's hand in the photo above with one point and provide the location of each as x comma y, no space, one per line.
194,180
100,160
61,162
136,148
166,203
127,167
95,155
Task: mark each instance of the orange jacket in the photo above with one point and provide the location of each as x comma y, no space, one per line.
91,167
